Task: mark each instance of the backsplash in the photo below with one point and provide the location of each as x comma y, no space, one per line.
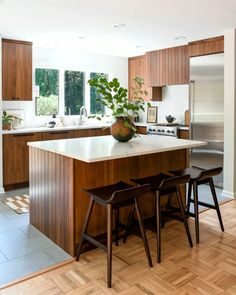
175,101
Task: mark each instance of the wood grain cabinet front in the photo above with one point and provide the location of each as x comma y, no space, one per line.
16,158
16,70
53,135
137,67
168,66
92,132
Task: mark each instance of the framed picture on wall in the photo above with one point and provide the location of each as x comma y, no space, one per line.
152,115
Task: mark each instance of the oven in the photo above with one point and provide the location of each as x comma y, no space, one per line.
163,129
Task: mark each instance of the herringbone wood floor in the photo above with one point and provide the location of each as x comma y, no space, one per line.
209,268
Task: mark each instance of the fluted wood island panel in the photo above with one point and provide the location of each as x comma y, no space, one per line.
58,204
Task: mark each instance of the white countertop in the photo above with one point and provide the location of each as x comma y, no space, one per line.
100,148
55,129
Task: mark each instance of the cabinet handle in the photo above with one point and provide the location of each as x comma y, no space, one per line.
13,98
25,134
64,132
17,98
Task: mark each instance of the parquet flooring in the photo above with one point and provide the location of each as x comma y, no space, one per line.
209,268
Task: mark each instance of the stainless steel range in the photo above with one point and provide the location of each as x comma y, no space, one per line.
163,129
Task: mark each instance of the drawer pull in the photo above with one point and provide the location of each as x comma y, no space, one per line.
25,134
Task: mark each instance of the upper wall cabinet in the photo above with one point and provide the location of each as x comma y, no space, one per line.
206,46
138,68
168,66
16,70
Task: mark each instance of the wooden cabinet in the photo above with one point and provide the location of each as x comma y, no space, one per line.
183,134
206,46
137,67
168,66
141,129
53,135
16,70
16,158
92,132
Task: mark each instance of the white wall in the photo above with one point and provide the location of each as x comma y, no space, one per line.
68,60
175,101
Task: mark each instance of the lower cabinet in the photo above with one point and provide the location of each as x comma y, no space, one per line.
57,135
16,152
92,132
183,134
16,157
141,129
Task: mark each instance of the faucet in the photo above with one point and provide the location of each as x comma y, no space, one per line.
83,111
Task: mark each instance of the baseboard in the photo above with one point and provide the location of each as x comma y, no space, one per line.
229,194
2,191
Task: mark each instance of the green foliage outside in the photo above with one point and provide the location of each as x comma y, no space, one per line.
74,92
96,107
46,106
48,82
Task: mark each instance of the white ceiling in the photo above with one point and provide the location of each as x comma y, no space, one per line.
151,24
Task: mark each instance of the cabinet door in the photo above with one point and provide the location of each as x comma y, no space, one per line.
184,134
16,157
24,72
138,68
8,70
57,135
141,129
92,132
168,66
16,70
206,46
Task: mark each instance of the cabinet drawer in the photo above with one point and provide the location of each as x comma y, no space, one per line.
53,135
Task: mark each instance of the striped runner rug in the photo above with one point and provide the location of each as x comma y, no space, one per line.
20,204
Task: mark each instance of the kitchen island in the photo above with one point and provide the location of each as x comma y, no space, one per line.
60,169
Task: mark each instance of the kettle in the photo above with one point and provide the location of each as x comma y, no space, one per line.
170,119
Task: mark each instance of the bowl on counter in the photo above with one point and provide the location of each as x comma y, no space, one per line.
51,124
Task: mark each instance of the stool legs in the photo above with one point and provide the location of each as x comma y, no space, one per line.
117,218
158,218
189,198
141,226
109,244
84,228
181,206
196,211
130,218
213,191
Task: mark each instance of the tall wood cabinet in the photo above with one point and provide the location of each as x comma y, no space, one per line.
16,70
137,67
168,66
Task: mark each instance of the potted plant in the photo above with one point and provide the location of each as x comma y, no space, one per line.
114,97
8,120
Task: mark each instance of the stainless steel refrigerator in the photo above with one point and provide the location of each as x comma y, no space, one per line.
207,111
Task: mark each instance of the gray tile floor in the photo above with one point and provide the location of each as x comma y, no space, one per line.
23,249
204,195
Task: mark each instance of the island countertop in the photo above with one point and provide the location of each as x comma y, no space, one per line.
101,148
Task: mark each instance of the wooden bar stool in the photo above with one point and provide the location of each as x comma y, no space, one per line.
113,197
200,176
162,184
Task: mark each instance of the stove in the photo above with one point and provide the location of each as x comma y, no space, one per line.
168,129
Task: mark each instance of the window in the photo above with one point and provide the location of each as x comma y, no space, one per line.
47,81
74,92
95,106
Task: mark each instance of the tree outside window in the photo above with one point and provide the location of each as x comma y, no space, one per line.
95,106
74,92
47,99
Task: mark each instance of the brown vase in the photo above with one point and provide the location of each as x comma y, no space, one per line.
120,131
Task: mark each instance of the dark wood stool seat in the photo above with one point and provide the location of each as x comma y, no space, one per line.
113,197
162,184
200,176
